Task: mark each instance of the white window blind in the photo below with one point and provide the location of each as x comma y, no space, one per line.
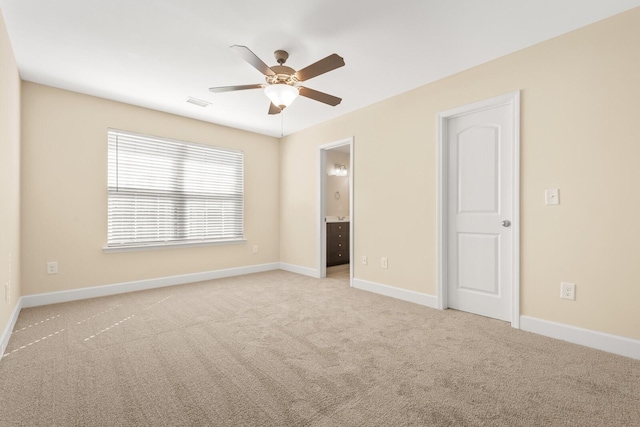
163,192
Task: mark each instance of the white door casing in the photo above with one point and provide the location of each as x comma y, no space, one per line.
322,225
478,214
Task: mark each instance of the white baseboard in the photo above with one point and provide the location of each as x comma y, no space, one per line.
599,340
139,285
6,333
403,294
305,271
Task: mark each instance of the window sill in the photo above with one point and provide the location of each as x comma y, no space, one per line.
155,247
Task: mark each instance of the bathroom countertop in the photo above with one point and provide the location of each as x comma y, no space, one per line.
337,219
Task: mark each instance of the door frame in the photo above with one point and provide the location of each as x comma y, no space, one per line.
513,99
322,225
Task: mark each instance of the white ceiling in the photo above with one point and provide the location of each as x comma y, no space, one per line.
157,53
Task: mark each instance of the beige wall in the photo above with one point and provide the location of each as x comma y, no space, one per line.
333,184
64,193
9,179
580,108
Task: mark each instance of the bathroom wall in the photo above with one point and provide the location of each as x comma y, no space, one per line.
337,187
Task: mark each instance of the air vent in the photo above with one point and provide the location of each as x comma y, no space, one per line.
198,102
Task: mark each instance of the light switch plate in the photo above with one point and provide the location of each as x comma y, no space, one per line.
552,196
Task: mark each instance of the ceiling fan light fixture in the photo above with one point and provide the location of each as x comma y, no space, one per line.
281,94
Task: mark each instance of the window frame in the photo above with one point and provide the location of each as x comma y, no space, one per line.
171,244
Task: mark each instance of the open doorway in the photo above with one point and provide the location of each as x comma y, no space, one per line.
336,218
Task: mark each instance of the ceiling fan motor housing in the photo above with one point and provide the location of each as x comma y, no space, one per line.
283,75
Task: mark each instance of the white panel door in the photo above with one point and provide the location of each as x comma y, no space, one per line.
480,148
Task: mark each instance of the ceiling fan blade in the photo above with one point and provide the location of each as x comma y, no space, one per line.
274,109
253,59
230,88
325,65
320,96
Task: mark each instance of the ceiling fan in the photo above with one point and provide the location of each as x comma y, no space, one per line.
281,85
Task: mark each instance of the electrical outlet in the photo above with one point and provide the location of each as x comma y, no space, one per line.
364,260
568,291
384,263
255,249
52,267
6,292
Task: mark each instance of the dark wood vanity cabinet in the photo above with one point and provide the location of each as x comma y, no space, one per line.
337,243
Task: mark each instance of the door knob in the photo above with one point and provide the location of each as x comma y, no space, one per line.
506,223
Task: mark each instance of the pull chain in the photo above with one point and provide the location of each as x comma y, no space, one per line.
281,123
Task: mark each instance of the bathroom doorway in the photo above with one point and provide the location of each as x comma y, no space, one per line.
336,216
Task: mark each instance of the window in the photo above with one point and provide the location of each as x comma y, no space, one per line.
164,192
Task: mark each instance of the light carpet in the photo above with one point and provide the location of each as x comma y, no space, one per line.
280,349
